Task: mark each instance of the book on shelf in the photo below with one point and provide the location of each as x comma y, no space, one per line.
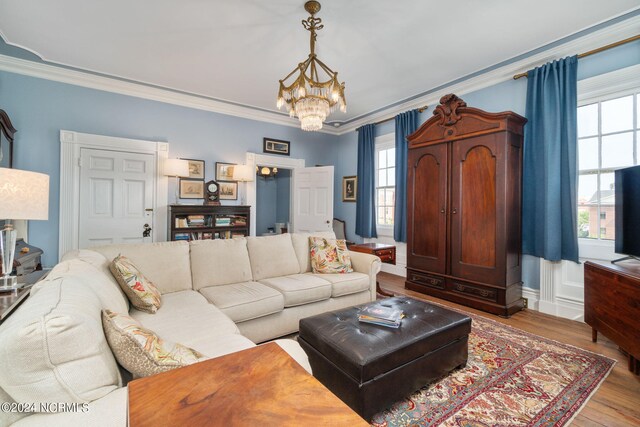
182,236
383,316
223,222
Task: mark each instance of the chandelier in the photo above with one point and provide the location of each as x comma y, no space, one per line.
315,92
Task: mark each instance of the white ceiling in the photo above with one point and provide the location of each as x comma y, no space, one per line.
385,51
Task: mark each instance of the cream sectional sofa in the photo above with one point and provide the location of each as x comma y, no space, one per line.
218,297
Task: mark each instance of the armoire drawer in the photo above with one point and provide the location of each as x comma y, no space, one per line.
426,279
476,291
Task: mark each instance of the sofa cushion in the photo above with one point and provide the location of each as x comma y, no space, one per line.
301,246
329,256
300,289
345,284
53,348
272,256
142,292
140,350
245,301
211,261
105,287
188,318
166,264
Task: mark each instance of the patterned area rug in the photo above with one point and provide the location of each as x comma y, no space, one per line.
512,378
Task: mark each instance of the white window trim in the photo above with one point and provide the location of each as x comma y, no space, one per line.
615,84
383,142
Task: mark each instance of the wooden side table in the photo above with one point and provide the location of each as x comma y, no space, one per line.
260,386
386,253
9,301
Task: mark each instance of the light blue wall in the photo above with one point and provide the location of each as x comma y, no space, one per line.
506,96
40,108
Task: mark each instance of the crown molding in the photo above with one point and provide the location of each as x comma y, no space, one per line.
140,90
610,34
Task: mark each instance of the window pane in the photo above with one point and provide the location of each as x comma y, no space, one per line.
587,190
381,216
391,177
588,120
607,188
584,220
389,199
391,157
389,215
380,199
617,114
382,178
382,159
617,150
607,206
638,111
588,153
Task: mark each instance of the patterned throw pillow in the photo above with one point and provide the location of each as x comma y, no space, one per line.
329,256
139,350
142,293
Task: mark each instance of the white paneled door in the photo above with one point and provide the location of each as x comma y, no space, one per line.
116,197
312,199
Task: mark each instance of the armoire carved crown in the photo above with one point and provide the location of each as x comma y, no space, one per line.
448,109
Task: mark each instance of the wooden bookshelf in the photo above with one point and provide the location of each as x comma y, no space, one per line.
202,222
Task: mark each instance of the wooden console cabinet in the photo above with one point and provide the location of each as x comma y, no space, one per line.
204,222
612,305
463,206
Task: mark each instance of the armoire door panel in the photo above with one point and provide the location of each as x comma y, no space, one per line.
428,176
476,210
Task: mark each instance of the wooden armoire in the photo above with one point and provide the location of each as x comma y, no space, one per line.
463,203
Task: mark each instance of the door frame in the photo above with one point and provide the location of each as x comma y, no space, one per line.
253,159
70,145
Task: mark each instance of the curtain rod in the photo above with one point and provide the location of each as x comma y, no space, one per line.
594,51
420,110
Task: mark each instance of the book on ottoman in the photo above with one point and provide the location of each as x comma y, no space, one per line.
383,316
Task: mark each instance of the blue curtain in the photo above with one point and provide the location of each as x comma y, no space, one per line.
366,194
549,218
406,124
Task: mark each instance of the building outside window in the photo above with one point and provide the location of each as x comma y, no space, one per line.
607,140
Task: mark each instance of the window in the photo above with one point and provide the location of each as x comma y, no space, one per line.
608,133
385,183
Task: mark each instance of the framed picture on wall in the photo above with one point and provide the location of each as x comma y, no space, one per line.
276,146
228,190
224,171
196,168
349,188
191,188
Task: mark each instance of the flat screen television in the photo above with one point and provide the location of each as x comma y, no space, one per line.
627,209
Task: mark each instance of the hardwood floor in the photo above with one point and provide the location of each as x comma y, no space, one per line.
617,401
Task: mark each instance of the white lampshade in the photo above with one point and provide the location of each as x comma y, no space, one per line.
243,173
23,194
176,167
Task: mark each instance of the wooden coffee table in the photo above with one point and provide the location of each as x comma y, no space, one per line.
261,386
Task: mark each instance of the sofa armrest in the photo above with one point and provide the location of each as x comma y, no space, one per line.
369,265
108,411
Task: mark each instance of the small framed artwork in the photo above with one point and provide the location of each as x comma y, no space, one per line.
349,188
228,190
275,146
191,189
224,171
196,169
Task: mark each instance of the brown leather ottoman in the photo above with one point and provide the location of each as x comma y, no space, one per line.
370,367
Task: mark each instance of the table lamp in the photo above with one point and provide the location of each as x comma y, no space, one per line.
176,168
23,195
243,173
